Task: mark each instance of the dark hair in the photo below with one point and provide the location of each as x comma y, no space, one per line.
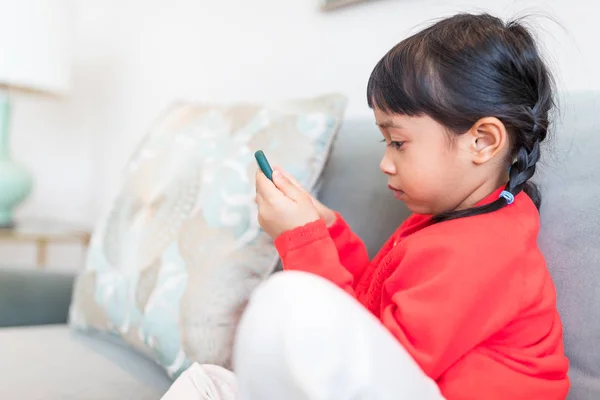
462,69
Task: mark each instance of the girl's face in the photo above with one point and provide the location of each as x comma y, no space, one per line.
429,168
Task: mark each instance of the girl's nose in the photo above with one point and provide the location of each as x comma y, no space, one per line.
387,166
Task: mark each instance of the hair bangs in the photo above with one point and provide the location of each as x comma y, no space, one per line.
402,82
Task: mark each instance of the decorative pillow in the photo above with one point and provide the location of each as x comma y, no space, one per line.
170,269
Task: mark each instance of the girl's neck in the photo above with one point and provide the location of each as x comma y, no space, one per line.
481,192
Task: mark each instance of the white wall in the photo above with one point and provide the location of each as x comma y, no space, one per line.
134,57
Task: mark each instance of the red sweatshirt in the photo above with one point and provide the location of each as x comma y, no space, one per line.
470,299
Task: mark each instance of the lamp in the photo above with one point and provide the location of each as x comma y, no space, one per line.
34,57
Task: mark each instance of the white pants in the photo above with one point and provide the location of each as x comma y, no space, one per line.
303,338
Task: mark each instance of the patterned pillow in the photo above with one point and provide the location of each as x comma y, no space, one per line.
169,270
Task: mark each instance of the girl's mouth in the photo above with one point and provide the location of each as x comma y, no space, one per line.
397,192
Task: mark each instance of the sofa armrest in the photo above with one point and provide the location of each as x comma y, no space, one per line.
29,297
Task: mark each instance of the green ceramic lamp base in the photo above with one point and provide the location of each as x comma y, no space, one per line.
15,180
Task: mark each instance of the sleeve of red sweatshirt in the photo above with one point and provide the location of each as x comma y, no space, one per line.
336,253
351,249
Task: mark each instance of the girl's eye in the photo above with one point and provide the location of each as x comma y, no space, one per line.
396,145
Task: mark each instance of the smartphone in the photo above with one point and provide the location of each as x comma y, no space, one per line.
261,159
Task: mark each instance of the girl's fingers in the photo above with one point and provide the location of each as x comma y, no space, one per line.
289,176
287,187
265,187
258,199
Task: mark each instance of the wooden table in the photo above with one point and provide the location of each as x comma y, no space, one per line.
42,233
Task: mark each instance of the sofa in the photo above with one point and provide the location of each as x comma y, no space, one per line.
43,359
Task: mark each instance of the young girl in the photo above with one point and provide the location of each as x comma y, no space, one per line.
458,304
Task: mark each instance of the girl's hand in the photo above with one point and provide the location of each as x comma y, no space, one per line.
325,213
282,206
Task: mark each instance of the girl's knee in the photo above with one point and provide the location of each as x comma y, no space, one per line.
285,311
298,285
283,284
296,328
295,311
283,294
292,297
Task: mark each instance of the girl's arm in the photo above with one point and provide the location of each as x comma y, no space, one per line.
351,249
336,253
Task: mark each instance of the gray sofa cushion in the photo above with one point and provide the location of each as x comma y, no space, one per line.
52,363
570,237
33,297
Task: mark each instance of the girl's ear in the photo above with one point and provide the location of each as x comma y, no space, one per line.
487,138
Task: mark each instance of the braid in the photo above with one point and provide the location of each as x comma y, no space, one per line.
527,157
522,170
